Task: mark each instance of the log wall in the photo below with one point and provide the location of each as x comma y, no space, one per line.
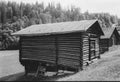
85,48
69,50
39,48
87,54
61,49
72,50
104,45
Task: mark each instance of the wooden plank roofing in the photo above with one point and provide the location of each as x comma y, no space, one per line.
57,28
108,32
118,28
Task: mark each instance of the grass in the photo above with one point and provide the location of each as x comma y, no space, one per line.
9,63
105,69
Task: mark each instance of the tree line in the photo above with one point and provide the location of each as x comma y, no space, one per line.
14,17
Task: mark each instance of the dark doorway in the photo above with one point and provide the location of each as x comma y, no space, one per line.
92,54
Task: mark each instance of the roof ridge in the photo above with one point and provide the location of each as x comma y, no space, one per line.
69,26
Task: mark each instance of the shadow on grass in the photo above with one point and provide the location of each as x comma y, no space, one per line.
21,77
43,78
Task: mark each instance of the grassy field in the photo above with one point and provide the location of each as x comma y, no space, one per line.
105,69
9,63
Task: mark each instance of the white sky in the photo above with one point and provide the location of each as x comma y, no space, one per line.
93,6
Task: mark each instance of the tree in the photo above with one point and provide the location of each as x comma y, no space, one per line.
14,17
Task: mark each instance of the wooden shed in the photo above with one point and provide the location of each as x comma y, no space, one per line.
110,38
65,44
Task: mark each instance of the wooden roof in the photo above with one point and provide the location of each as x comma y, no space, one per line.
108,32
57,28
118,28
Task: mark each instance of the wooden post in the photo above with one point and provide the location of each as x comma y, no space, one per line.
40,70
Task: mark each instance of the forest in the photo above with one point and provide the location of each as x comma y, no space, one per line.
16,16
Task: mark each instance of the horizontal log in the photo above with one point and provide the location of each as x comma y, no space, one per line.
71,46
86,59
69,54
54,62
86,56
71,64
76,66
38,48
40,43
40,58
69,50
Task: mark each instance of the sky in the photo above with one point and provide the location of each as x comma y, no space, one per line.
92,6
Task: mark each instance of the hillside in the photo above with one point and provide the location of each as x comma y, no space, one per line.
105,69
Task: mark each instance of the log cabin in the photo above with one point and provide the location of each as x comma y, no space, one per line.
110,38
61,45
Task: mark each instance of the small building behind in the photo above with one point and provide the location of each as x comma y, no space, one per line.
110,38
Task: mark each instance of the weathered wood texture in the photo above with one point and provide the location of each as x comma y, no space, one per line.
96,44
114,40
61,50
85,48
104,45
62,47
39,48
97,49
69,50
94,34
90,53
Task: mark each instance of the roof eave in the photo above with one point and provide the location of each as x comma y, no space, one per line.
42,34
